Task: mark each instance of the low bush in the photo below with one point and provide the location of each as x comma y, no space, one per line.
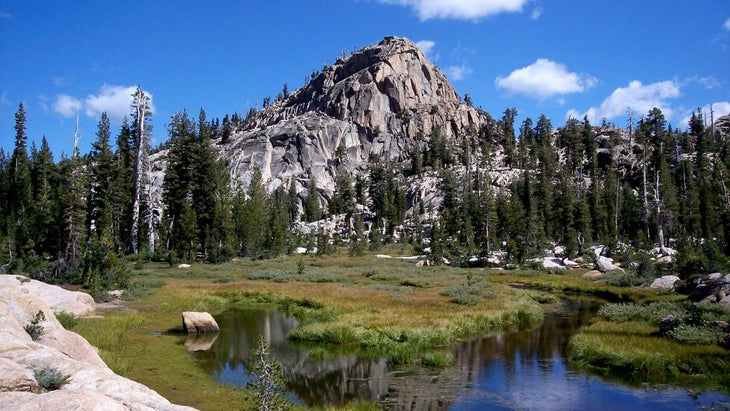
683,321
50,378
437,359
67,320
34,328
625,279
703,334
469,293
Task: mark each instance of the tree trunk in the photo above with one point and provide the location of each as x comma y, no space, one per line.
140,105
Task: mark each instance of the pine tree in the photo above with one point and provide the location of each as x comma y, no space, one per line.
73,200
44,177
312,210
177,195
250,214
20,194
122,188
279,224
508,135
101,172
526,145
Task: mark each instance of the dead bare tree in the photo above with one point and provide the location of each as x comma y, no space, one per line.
140,107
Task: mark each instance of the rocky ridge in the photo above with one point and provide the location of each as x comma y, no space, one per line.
378,102
91,384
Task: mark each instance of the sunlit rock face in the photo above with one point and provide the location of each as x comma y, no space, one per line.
377,103
91,385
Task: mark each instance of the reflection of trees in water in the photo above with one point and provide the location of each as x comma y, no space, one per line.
336,380
544,345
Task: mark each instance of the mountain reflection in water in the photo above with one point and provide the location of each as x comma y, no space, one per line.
509,371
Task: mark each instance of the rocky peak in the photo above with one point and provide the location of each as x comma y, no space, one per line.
389,87
374,102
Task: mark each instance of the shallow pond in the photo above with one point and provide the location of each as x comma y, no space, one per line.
509,371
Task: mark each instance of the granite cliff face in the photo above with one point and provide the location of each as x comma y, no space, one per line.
380,102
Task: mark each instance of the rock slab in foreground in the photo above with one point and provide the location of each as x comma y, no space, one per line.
199,322
78,303
92,385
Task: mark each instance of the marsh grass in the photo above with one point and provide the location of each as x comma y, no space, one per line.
378,307
574,283
67,320
630,349
438,359
110,338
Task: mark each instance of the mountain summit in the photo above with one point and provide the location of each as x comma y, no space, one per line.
376,103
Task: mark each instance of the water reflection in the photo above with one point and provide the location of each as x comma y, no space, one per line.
511,371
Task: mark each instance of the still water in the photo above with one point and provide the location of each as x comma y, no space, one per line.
510,371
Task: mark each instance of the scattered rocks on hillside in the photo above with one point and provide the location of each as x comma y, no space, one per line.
605,264
713,288
593,274
199,322
667,282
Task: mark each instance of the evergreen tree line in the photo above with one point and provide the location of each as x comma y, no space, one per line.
79,218
646,189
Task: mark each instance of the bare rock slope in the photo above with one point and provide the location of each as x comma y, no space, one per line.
376,102
91,384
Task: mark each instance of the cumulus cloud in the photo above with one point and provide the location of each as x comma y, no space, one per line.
721,108
726,25
641,98
544,79
459,9
67,106
115,100
426,46
456,73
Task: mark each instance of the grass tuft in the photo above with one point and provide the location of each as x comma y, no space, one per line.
50,378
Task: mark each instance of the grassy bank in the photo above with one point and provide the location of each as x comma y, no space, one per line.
369,305
664,341
373,306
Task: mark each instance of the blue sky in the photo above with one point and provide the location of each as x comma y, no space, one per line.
557,58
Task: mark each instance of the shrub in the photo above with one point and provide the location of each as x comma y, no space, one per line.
702,334
50,378
438,359
628,279
34,327
469,293
269,384
67,320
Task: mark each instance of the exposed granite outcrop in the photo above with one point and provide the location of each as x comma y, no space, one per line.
91,385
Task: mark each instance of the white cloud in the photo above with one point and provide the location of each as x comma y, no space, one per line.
544,79
67,106
456,73
459,9
641,98
721,108
536,13
726,25
115,100
426,46
706,82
